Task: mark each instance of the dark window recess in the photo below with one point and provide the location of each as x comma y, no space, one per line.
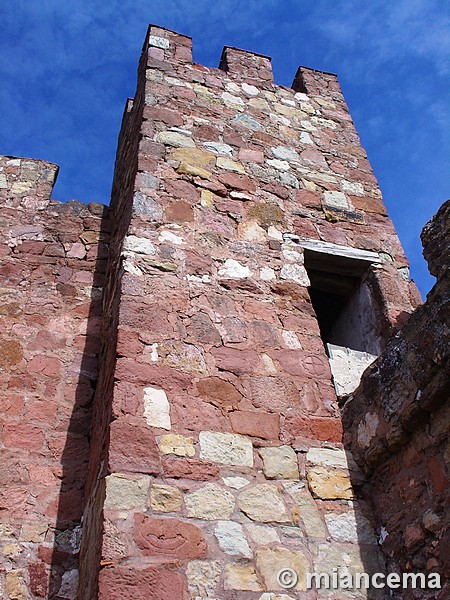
343,301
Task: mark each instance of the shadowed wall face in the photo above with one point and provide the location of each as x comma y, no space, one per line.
225,458
52,263
397,426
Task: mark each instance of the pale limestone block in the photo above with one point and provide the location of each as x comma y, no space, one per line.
175,139
251,232
203,577
234,270
232,101
209,502
231,539
125,492
165,498
219,148
249,90
263,503
156,408
177,444
226,448
12,550
230,165
279,463
33,532
262,534
310,516
305,138
297,273
169,236
274,233
207,199
350,527
15,586
241,577
158,42
235,482
331,457
352,187
330,484
140,245
270,561
285,153
267,274
336,199
291,340
280,165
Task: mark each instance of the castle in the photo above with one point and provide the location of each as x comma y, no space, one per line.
182,412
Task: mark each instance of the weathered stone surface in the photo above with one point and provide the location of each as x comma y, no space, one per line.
165,498
219,391
309,515
170,538
241,577
350,527
133,448
197,470
234,269
235,482
203,577
262,502
209,502
125,492
156,408
262,534
231,539
173,138
122,582
176,444
226,448
279,463
329,484
270,561
256,424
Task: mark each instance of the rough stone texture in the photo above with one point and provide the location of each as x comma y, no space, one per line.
397,425
227,192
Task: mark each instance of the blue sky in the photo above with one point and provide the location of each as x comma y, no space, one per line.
68,66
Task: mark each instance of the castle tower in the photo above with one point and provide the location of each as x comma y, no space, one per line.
253,274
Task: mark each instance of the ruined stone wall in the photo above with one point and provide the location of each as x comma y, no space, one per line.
397,427
225,456
52,263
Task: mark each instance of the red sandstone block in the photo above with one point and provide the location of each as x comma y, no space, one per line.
238,182
308,198
249,155
39,579
437,474
169,538
257,424
23,436
179,212
138,583
190,468
45,365
133,448
235,361
318,428
218,391
164,377
184,190
302,364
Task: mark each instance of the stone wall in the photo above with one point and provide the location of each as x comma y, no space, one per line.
226,461
397,427
53,257
211,455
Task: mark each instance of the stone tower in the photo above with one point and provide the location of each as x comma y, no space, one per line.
252,275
